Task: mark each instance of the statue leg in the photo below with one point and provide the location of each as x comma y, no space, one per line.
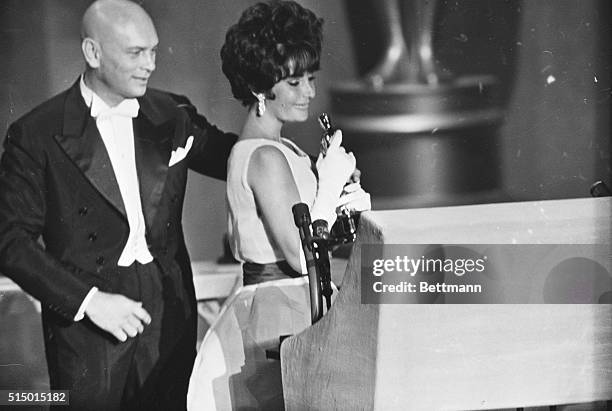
394,61
421,42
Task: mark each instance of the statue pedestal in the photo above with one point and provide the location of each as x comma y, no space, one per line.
423,145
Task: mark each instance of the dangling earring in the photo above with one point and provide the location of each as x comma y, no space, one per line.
261,104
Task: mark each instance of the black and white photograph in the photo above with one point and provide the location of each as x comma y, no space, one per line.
305,205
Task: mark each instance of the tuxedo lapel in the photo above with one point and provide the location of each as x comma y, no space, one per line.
82,142
152,146
153,132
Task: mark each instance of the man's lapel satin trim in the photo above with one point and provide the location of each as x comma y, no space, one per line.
82,142
153,133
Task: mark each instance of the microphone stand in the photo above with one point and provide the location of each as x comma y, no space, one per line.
301,216
322,242
316,243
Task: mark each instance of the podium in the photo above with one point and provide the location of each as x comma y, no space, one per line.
460,356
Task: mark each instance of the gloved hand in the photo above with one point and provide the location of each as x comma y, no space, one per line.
334,171
354,198
337,165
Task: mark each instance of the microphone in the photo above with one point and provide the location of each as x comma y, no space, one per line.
301,217
320,229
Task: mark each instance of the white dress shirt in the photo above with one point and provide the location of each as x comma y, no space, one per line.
117,132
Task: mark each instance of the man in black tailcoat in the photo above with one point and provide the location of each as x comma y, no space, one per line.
99,173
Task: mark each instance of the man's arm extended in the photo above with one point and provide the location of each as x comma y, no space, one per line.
211,147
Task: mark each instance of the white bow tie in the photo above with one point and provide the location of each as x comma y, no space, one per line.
127,108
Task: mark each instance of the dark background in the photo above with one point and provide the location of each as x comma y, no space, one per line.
555,140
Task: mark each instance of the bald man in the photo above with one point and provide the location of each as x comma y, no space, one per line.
98,173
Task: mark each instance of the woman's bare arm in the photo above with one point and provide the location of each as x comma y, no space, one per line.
275,191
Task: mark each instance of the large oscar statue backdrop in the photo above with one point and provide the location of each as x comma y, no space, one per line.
423,118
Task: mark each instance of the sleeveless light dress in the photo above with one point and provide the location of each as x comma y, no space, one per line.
249,236
231,370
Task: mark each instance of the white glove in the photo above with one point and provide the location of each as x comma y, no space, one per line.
334,170
354,199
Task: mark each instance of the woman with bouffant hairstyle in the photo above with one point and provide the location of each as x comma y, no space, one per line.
269,57
259,49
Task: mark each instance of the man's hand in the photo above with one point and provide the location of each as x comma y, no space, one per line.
355,177
117,315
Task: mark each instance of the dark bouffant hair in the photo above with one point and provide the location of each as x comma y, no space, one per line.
270,42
